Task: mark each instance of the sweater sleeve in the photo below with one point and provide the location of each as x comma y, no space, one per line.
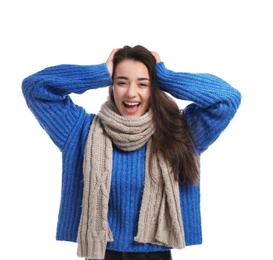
47,96
213,102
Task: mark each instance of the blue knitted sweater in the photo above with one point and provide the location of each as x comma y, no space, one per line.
213,104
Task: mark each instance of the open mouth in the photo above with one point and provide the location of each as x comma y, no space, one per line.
131,107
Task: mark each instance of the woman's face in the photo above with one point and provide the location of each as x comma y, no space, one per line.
131,88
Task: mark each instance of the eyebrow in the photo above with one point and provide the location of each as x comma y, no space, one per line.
123,77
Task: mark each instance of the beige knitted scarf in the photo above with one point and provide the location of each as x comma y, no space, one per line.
160,220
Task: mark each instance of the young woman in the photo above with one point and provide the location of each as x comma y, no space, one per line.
130,183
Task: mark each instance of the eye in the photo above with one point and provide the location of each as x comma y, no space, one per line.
121,83
143,84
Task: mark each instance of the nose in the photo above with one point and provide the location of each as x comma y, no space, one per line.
131,90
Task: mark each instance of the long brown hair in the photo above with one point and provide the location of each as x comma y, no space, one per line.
172,136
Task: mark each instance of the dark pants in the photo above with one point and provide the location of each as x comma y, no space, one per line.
114,255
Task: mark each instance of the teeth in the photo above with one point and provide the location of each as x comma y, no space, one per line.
131,104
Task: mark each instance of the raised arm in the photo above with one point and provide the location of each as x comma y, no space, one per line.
214,102
47,95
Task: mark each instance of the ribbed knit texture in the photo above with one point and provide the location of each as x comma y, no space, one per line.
160,220
215,103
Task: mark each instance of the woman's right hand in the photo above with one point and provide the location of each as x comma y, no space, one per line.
109,62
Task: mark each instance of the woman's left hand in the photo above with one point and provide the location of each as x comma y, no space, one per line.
156,56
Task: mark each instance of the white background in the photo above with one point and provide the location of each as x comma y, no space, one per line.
232,39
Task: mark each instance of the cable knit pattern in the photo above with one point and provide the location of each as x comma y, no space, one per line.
94,231
160,220
213,104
